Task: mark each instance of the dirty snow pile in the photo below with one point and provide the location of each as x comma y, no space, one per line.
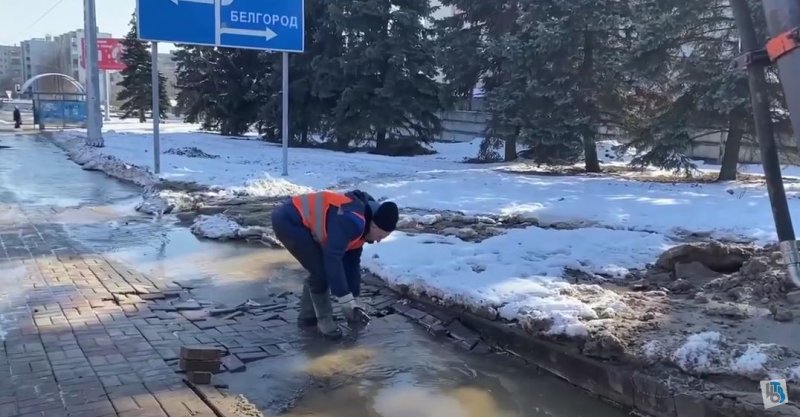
710,352
190,152
518,274
217,226
95,160
269,186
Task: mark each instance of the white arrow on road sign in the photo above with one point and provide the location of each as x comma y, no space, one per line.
268,33
224,2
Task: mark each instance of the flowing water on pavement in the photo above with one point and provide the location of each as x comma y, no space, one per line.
390,369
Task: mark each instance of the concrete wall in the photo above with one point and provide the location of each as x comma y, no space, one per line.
711,147
464,126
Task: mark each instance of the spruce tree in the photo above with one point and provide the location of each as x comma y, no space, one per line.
307,109
137,92
383,77
220,88
466,60
685,49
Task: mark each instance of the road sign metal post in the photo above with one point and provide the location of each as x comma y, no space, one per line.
277,26
94,136
108,95
156,109
285,106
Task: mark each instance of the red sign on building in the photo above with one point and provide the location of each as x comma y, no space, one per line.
109,54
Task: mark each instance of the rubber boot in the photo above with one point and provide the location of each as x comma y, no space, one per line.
325,323
307,317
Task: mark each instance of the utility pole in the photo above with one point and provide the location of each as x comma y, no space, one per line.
755,59
285,113
94,135
783,23
156,109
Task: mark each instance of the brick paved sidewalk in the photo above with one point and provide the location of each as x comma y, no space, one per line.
85,336
76,340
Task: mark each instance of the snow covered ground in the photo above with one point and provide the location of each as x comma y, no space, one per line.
619,224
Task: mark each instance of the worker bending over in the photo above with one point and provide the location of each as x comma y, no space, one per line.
325,232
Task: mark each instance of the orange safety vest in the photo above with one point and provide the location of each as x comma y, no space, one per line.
313,210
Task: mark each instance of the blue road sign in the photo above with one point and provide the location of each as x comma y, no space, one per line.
276,25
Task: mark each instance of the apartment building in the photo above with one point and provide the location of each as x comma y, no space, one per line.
10,68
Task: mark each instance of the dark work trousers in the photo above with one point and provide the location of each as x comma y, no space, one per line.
289,229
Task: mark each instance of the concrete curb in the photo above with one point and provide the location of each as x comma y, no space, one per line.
627,385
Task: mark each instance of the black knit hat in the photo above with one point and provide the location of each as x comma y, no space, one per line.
386,216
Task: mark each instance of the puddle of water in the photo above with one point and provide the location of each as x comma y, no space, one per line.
164,250
390,369
394,369
36,172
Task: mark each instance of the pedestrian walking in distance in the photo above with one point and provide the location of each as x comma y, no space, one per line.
17,118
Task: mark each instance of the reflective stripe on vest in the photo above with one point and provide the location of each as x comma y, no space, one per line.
358,242
313,210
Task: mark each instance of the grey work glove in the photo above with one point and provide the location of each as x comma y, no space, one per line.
352,311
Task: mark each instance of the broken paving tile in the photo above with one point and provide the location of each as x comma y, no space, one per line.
183,286
212,366
414,314
200,352
437,330
172,293
444,316
250,357
481,347
142,289
466,344
233,364
200,378
195,315
459,331
166,315
167,353
375,301
384,305
207,324
245,349
401,307
429,321
222,311
153,296
188,305
233,315
162,307
273,350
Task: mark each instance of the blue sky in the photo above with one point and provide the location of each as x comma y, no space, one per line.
17,18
